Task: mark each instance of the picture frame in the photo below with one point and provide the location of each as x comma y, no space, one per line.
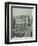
20,22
